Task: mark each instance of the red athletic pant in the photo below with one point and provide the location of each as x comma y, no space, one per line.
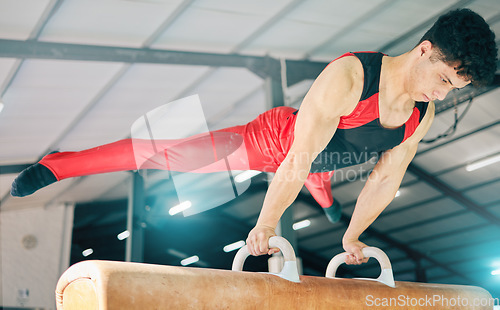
259,145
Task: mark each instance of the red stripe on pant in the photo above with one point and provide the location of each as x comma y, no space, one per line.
259,145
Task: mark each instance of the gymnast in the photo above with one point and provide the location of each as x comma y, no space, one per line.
362,103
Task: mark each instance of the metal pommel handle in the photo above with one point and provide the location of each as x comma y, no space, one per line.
289,271
386,277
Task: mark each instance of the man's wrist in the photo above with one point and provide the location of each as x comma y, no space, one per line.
266,224
267,221
349,238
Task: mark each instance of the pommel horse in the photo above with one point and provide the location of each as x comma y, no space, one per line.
107,285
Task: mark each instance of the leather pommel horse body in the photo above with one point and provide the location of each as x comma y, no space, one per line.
107,285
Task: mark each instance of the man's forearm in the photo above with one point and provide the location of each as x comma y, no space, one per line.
373,199
283,190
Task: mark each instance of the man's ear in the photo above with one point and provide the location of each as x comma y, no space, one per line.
425,47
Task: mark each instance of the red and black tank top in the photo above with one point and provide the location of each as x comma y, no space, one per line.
360,135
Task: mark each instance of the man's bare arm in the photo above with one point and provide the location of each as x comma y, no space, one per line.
381,187
334,93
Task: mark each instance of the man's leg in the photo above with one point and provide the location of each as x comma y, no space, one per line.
319,185
249,147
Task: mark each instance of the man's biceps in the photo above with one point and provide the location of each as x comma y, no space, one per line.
318,132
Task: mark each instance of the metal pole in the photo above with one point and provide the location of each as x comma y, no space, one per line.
134,248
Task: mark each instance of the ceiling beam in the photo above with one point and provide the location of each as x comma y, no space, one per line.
299,70
262,66
64,51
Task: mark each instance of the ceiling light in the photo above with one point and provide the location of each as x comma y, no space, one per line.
483,163
1,106
234,246
87,252
495,272
189,260
301,224
180,207
123,235
246,175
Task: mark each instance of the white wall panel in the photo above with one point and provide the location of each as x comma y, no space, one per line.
29,272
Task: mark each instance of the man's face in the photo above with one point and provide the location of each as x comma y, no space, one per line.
432,79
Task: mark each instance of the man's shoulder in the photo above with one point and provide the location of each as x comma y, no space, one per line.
347,67
339,87
347,75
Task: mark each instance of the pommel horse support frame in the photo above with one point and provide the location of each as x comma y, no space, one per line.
107,285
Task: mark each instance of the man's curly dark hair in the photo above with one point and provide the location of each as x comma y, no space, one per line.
465,41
